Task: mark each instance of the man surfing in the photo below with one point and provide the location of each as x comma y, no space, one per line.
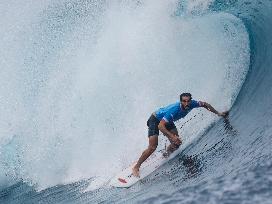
163,119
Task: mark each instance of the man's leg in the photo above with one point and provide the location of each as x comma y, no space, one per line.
172,147
153,143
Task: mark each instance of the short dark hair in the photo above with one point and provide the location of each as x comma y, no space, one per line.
185,94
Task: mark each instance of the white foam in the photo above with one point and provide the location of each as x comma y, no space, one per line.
83,111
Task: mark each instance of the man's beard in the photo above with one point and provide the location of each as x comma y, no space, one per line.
186,107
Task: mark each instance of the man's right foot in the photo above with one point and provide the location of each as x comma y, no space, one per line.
135,171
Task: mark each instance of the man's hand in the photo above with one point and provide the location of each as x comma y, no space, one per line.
175,139
223,114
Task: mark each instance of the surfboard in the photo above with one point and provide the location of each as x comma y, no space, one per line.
125,179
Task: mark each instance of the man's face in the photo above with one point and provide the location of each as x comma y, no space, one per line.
185,101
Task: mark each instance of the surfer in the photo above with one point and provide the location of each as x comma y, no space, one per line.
163,119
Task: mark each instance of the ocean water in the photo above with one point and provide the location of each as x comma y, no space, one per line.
80,78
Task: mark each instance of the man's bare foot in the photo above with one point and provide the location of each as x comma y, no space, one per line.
135,171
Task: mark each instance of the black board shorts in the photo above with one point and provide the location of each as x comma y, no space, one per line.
153,123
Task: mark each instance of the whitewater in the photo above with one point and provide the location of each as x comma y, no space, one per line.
80,78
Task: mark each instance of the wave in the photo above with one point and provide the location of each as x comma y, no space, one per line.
82,79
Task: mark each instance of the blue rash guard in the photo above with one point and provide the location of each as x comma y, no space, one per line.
174,112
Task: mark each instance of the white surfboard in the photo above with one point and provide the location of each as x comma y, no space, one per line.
125,179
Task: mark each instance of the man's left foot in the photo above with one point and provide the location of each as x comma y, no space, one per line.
135,172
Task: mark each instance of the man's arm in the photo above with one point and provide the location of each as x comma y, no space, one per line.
212,109
167,133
